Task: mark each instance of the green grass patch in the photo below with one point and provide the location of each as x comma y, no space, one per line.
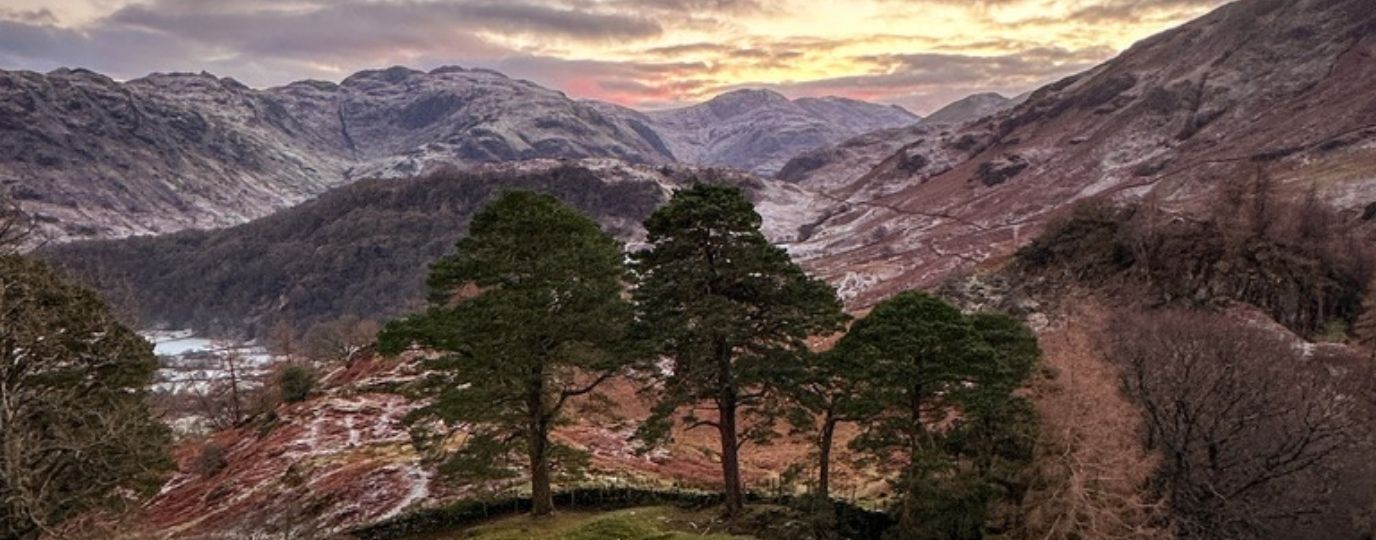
648,523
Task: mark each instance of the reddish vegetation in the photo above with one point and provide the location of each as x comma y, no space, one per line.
691,460
345,459
1096,470
339,460
1276,87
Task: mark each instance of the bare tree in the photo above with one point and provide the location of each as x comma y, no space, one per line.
283,342
226,391
14,226
339,339
1243,421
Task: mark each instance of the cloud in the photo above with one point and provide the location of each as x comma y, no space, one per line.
648,53
42,16
641,84
923,82
1137,10
352,26
275,42
734,7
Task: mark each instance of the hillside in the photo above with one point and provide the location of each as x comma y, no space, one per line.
970,108
364,249
343,459
1254,89
90,157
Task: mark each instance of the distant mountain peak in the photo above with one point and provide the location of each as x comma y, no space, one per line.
758,129
971,107
750,94
394,74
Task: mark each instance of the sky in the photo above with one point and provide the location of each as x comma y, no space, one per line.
648,54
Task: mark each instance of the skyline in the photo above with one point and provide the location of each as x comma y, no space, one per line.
647,54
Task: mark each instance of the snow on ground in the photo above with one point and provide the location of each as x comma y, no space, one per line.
190,363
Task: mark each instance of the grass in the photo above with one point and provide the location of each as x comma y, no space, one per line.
648,523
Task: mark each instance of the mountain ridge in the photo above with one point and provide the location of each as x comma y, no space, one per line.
1256,88
759,130
91,157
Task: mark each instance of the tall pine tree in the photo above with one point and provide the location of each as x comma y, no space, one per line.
732,313
939,385
530,313
832,390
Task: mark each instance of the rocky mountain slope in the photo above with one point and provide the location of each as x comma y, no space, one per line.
760,130
364,249
971,107
1256,89
89,157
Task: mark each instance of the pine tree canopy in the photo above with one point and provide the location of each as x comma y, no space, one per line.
530,313
77,434
731,312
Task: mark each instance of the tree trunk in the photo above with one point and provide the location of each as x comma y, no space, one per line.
235,410
726,425
541,496
824,453
730,461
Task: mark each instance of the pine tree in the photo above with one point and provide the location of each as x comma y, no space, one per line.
529,313
732,312
76,431
830,392
918,352
925,364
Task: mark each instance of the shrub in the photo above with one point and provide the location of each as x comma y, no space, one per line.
212,459
1252,436
296,382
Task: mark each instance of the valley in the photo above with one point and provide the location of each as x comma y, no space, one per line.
1138,301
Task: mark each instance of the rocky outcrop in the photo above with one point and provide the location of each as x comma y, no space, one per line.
89,157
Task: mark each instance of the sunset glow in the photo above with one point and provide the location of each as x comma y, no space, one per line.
641,53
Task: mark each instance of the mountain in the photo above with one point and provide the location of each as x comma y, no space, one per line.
1255,89
759,130
365,249
826,167
972,107
908,206
90,157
